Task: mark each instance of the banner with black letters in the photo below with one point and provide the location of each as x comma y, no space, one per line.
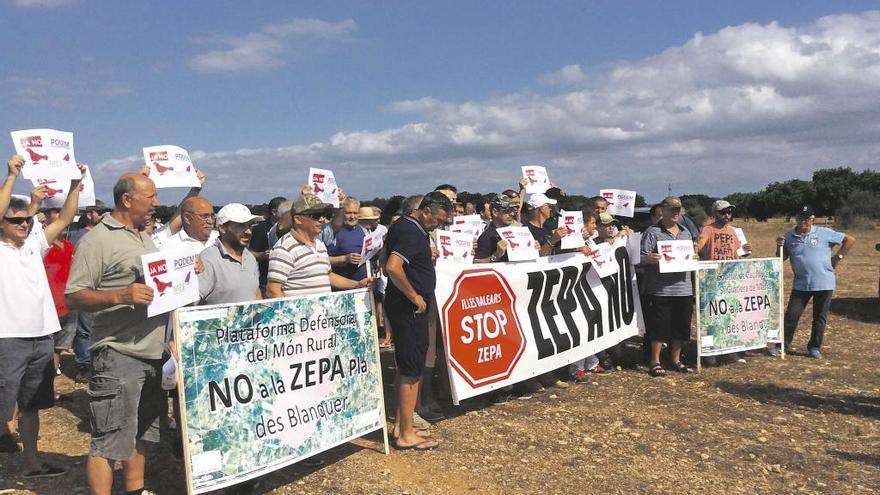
506,322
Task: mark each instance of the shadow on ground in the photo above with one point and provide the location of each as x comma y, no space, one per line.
864,309
860,405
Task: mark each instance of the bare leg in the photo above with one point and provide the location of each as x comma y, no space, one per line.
134,468
656,349
407,394
29,426
99,472
675,351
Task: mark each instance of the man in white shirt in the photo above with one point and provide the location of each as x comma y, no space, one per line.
26,345
198,231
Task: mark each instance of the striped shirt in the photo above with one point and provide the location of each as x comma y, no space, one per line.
301,269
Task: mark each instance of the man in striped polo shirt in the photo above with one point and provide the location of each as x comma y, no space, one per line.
299,264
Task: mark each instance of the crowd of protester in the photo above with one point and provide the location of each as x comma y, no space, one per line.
86,292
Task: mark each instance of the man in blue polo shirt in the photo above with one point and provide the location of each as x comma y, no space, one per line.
812,262
411,276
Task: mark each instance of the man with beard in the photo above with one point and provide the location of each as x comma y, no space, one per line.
230,272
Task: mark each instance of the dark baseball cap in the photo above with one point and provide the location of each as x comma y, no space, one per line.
806,211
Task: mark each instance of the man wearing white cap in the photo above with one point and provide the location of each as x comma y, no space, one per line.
230,272
539,210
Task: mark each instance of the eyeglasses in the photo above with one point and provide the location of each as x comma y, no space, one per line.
318,215
726,212
19,220
204,216
674,209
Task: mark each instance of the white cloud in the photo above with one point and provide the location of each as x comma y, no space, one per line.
41,4
59,93
271,46
570,74
732,110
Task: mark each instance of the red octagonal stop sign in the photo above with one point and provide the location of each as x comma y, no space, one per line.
483,333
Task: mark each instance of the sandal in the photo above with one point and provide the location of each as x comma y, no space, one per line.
681,367
657,370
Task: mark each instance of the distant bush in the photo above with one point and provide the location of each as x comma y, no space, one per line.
859,211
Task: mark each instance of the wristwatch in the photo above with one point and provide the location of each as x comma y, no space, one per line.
493,258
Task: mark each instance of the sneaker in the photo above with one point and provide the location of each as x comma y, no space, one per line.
814,353
419,422
580,377
560,384
774,351
8,444
45,471
598,369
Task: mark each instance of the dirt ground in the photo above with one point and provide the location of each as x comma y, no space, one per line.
797,425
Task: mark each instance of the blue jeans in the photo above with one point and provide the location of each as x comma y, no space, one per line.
82,356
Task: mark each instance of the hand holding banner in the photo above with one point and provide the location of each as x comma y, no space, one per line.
537,180
170,166
573,221
742,242
323,184
521,246
620,201
677,256
172,277
48,154
454,247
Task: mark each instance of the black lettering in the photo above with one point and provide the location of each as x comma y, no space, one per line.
222,393
536,285
568,303
548,307
294,383
589,303
624,284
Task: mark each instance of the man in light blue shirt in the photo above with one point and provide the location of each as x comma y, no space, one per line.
812,262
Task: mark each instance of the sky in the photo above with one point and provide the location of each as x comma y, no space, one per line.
397,97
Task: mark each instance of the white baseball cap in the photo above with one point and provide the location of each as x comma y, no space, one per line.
538,200
235,212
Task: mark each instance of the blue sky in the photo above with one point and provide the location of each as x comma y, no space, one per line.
399,97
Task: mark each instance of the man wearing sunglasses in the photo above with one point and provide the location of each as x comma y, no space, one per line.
718,241
299,264
491,247
29,318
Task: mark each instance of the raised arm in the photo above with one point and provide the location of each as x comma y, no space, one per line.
14,165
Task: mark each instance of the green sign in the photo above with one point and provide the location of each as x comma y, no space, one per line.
268,383
739,305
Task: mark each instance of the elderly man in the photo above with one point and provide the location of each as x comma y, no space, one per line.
198,232
299,264
126,398
410,269
230,272
813,263
30,319
671,294
345,251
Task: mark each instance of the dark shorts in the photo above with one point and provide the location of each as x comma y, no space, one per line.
126,401
410,332
669,318
27,372
64,337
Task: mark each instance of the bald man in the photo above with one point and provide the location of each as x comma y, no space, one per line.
125,393
198,232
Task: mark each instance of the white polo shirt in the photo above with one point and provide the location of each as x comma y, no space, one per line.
182,240
25,298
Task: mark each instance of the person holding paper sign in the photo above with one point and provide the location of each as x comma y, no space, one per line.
718,241
671,294
30,319
490,246
345,252
539,211
126,397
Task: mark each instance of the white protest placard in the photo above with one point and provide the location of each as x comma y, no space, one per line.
454,247
323,184
742,242
373,242
620,201
172,276
48,154
634,247
470,224
520,243
56,191
677,256
603,260
170,166
573,221
537,180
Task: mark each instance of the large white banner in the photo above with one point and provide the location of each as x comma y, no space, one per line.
506,322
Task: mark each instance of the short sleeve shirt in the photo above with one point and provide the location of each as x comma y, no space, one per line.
719,243
57,261
225,279
109,258
300,269
409,241
810,257
349,241
25,297
488,242
665,284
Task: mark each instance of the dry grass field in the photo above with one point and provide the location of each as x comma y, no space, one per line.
797,425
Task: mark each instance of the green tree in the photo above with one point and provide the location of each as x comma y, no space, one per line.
833,186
